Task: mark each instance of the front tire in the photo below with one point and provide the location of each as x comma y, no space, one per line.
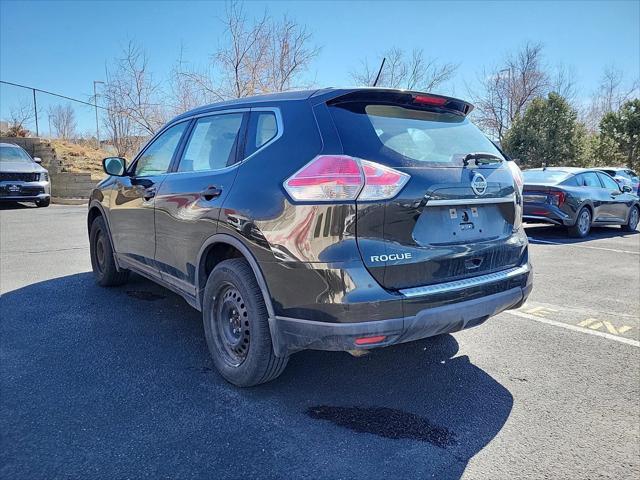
102,261
236,326
634,217
582,225
43,203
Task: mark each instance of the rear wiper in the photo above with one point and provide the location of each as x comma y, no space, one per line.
481,158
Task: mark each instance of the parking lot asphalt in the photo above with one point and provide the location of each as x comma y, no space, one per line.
118,383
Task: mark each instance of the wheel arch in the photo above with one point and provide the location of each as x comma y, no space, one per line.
221,240
96,209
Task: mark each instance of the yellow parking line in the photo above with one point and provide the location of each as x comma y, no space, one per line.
575,328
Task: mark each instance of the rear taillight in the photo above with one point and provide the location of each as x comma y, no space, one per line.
341,177
556,198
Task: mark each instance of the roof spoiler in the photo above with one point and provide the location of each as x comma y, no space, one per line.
404,97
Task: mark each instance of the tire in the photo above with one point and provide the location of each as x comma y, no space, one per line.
634,217
102,262
236,326
43,203
582,225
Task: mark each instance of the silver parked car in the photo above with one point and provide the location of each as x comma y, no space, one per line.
22,179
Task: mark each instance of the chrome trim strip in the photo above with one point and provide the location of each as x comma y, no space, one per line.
470,201
465,283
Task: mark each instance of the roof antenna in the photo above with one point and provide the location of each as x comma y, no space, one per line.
379,72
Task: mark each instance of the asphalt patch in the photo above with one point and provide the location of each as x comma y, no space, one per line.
146,296
385,422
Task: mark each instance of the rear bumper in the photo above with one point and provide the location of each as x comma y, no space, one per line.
424,317
544,213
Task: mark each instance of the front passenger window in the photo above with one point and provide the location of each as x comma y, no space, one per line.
609,183
157,157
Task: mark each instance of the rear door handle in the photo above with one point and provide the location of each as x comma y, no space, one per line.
211,192
149,193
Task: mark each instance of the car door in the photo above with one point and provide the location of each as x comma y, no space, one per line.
189,201
131,216
591,189
617,201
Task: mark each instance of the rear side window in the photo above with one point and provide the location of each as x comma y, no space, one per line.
401,136
589,179
544,176
263,127
212,144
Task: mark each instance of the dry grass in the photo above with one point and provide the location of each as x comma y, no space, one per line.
80,158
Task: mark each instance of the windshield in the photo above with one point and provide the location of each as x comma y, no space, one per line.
399,136
544,176
14,155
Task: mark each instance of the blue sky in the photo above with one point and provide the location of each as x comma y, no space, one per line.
64,46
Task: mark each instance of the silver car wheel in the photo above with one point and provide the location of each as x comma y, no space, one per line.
584,222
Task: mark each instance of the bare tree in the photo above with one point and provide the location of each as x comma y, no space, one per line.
121,133
506,90
411,72
20,113
131,92
244,56
63,121
290,53
257,56
609,96
188,88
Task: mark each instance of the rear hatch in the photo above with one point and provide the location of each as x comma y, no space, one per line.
457,214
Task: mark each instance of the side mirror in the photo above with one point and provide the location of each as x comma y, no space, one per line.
114,166
626,189
37,159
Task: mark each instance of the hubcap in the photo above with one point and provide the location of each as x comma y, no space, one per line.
633,222
232,325
583,222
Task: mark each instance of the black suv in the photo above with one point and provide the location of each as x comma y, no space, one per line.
336,219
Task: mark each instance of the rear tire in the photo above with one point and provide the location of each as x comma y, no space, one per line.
634,217
582,225
236,326
43,203
102,261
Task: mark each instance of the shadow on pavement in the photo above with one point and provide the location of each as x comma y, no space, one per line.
15,205
118,383
556,233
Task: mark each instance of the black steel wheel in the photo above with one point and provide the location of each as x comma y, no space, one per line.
233,329
236,325
102,261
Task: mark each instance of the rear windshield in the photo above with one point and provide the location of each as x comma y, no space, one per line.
14,155
544,176
399,136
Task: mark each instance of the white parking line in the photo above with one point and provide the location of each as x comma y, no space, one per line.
615,338
536,240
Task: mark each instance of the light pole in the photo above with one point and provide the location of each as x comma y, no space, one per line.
95,101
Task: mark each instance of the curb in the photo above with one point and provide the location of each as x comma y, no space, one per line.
69,201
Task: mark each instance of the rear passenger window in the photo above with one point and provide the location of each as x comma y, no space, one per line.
212,144
590,179
263,128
